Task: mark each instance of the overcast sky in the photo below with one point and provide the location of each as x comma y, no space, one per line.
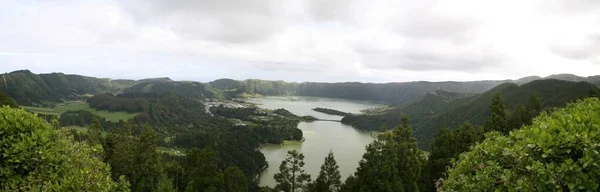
302,40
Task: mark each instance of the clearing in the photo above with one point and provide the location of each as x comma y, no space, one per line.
79,105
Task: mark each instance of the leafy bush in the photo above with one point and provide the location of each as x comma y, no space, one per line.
559,151
34,157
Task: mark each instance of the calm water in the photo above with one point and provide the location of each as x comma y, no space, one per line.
347,143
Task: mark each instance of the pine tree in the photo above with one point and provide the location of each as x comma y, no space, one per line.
496,121
95,132
447,145
535,104
235,180
147,171
329,179
391,163
122,157
203,170
291,176
519,117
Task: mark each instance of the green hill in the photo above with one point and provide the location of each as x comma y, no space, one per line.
189,89
7,100
32,89
431,112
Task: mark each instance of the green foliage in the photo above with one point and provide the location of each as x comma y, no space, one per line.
7,100
188,89
496,121
95,132
391,163
269,127
329,179
448,145
433,111
203,170
122,147
331,111
235,181
291,176
147,174
558,152
35,157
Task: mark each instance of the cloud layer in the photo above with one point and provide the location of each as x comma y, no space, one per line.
337,40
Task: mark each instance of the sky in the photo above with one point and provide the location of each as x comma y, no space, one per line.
302,40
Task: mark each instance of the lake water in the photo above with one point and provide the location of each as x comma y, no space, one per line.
347,143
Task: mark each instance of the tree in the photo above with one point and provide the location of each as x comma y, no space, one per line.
291,176
55,123
447,146
594,93
95,132
147,172
329,179
391,163
535,104
519,117
558,152
43,159
496,121
122,157
203,170
235,180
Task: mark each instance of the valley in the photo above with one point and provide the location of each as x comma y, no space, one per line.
254,134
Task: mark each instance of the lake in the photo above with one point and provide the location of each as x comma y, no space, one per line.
347,143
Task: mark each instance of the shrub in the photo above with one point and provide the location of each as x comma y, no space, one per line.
559,151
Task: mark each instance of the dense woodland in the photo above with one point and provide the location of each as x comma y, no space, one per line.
532,136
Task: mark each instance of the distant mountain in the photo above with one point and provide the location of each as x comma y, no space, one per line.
566,77
189,89
225,84
525,80
45,89
32,89
394,93
431,112
158,79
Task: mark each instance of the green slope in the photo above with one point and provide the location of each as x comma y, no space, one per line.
189,89
32,89
431,112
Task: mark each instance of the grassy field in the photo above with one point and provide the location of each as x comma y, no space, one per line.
170,151
73,106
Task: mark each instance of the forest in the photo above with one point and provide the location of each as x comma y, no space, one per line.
532,136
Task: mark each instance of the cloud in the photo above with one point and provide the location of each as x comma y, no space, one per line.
228,21
335,40
585,48
428,55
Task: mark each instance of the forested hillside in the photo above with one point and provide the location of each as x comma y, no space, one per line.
394,93
190,89
432,111
45,89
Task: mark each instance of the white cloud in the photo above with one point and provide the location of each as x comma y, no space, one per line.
350,40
